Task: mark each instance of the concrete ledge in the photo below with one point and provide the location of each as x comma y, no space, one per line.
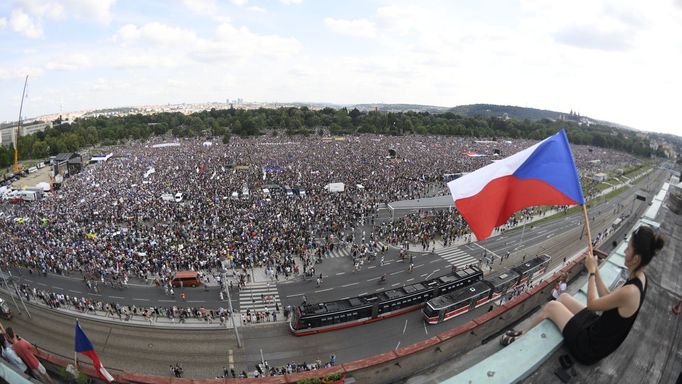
418,346
464,328
516,361
370,361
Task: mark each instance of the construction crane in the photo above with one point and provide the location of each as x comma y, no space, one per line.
16,137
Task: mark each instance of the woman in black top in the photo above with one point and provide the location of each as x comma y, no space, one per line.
590,336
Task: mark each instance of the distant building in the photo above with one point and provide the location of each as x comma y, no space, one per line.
7,131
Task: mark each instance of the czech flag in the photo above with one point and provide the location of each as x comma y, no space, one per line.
543,174
84,346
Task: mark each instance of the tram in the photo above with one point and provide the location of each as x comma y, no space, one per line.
465,299
311,318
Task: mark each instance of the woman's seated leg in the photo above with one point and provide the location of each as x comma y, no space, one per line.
571,303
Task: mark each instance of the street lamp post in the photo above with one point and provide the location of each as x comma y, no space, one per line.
229,304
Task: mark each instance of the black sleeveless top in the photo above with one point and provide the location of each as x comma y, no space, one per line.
609,331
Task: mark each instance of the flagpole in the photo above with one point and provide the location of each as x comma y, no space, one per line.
75,353
587,227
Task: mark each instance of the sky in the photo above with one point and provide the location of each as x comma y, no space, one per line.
612,60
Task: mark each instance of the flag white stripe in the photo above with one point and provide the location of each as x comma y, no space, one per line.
472,183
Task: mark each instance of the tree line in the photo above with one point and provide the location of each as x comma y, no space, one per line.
85,132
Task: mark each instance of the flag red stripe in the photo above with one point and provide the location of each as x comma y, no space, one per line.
501,197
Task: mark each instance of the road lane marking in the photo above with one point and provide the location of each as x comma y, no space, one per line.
433,261
373,266
324,290
117,297
340,273
420,265
410,279
374,278
348,285
425,330
71,290
427,277
296,294
379,290
395,273
405,327
136,299
167,301
59,288
393,285
363,293
43,284
396,347
196,301
422,275
230,359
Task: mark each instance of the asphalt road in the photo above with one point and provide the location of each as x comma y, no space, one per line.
204,352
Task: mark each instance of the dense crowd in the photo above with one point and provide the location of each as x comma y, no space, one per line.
111,222
445,225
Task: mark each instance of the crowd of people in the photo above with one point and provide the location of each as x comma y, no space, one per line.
109,223
121,312
110,220
264,369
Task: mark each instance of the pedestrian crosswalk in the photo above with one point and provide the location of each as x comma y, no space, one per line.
343,251
258,296
456,256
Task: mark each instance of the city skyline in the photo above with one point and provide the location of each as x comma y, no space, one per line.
614,61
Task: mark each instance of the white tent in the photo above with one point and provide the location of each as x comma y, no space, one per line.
335,187
44,185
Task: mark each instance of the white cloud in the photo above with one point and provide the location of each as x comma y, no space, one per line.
69,62
232,43
155,34
593,37
19,73
142,60
41,8
107,85
356,27
402,19
239,3
291,2
25,24
202,7
28,16
3,22
97,10
256,8
228,43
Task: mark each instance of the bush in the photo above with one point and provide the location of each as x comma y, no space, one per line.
333,377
